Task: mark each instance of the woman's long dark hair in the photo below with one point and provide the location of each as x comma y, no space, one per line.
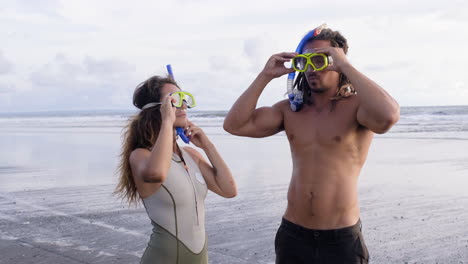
141,131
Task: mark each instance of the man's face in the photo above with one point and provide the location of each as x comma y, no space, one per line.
320,81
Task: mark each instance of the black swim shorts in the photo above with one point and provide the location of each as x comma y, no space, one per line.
295,244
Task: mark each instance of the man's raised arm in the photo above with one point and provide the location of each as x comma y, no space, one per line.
244,119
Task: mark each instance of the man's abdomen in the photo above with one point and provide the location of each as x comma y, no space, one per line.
323,202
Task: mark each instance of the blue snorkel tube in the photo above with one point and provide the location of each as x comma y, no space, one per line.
179,130
169,71
295,96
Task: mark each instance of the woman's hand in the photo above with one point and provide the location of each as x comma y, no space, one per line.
197,136
167,110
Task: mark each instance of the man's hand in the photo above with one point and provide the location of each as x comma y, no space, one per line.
340,60
275,68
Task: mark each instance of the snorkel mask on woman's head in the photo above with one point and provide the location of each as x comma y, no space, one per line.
180,98
295,96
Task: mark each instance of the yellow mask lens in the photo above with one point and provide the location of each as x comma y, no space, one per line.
318,61
182,97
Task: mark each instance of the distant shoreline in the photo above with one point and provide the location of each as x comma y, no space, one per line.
81,112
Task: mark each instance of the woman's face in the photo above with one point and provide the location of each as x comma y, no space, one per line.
181,113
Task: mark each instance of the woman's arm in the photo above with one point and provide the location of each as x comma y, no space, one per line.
152,166
216,172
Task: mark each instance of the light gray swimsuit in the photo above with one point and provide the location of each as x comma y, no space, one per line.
177,212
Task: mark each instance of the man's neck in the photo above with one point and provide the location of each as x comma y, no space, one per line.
323,100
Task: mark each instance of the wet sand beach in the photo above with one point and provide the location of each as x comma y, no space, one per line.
56,202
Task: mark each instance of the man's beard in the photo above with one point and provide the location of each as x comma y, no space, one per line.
318,90
315,89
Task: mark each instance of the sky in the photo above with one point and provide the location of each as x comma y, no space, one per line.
90,55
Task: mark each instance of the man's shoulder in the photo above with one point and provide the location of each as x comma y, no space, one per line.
282,105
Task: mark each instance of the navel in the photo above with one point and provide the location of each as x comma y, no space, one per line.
311,200
312,195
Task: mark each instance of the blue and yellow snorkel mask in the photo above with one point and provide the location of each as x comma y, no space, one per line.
300,63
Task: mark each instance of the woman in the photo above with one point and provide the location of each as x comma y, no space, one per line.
171,181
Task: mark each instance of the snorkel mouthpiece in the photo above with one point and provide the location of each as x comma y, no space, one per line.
294,95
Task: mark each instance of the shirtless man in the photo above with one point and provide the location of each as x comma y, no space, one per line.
329,140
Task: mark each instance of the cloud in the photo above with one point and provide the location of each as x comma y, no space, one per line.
226,64
107,67
62,72
98,83
5,65
460,86
6,88
383,67
93,53
254,47
258,50
43,7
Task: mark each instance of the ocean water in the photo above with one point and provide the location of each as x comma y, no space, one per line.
58,149
430,122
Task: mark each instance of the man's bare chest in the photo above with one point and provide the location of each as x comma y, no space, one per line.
312,127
